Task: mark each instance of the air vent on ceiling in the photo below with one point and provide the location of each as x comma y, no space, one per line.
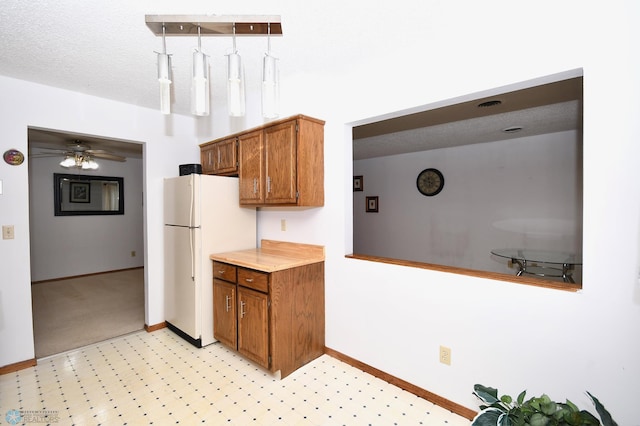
487,104
512,129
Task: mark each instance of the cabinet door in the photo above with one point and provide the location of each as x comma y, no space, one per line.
207,156
226,157
281,163
224,313
253,325
251,170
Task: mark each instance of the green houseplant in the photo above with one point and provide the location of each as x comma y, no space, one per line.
536,411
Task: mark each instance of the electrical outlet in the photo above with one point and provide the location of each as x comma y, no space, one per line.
445,355
133,253
283,224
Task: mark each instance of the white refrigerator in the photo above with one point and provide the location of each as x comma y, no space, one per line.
202,216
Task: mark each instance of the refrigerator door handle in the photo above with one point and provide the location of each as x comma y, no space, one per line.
192,242
192,249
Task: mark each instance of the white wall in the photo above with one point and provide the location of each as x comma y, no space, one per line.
524,193
501,334
167,143
64,246
340,63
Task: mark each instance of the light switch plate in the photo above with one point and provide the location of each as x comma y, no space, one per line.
7,232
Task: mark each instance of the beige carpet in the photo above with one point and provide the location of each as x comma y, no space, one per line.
75,312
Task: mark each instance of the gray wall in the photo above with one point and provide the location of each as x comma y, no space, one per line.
63,246
520,193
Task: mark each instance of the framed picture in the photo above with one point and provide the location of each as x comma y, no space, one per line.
372,204
79,192
358,183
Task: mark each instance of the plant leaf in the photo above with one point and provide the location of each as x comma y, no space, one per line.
521,397
589,419
572,406
548,408
606,418
488,417
538,420
504,420
488,395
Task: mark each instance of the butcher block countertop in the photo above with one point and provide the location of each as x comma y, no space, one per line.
273,256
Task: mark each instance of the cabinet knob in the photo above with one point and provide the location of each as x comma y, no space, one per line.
249,280
242,312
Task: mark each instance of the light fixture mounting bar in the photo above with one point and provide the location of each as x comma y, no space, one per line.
215,25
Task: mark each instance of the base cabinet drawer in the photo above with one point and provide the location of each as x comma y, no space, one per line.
255,280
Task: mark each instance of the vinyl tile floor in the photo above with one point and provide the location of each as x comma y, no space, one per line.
160,379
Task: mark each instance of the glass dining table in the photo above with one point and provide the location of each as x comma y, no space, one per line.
542,263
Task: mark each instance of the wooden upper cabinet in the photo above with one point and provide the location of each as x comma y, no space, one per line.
220,157
282,164
206,158
251,168
280,161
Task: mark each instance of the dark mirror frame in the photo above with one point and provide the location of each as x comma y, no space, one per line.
58,197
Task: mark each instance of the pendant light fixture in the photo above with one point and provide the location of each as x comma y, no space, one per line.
235,81
164,76
200,81
217,26
270,81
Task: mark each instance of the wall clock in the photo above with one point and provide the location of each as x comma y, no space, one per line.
430,182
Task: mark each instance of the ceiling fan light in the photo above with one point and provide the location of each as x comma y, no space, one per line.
68,161
89,164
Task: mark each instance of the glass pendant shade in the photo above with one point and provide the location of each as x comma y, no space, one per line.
270,87
235,85
200,84
164,77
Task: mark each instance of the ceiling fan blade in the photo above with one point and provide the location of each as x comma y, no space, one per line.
45,154
105,155
56,151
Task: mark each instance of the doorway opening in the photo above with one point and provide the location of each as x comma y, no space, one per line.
87,270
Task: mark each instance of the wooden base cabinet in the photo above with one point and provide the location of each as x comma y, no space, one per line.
224,313
276,319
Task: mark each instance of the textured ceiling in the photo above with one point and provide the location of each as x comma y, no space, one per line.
105,49
536,110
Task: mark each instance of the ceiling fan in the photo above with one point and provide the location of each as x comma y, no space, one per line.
79,154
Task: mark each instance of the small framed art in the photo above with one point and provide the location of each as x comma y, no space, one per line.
79,192
358,183
372,204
